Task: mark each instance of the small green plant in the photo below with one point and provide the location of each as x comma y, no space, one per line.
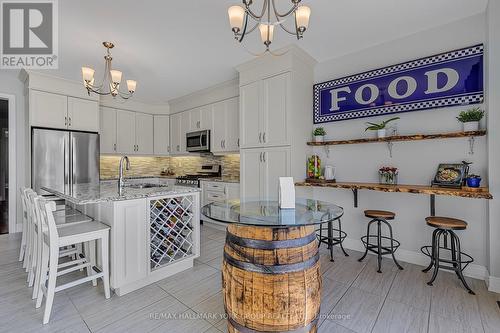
319,131
473,114
379,126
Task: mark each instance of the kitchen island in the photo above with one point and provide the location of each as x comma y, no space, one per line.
155,229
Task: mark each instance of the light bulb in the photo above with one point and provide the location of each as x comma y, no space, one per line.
236,15
302,15
266,33
87,74
116,76
131,85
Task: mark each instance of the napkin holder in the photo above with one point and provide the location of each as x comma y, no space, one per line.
286,193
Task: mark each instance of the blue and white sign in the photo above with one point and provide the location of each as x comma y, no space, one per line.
447,79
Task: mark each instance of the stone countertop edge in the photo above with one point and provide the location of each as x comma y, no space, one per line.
131,195
221,180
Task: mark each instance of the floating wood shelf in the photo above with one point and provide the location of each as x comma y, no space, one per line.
476,193
414,137
481,193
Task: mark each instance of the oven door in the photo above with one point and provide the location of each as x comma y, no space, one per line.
198,141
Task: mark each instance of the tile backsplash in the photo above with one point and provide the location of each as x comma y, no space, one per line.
181,165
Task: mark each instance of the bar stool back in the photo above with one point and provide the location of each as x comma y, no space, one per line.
380,217
53,239
444,227
24,231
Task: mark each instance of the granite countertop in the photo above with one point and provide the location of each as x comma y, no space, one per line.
142,177
222,179
108,191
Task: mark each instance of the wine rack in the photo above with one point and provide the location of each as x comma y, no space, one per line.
171,230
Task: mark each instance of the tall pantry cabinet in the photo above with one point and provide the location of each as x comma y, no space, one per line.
275,121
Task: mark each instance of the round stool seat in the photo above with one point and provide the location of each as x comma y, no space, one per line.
380,214
446,223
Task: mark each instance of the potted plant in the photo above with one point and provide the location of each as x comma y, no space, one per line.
388,175
473,180
319,134
471,118
380,127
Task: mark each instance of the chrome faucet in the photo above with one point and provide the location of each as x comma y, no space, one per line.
120,180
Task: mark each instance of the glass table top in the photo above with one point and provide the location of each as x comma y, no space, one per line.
268,214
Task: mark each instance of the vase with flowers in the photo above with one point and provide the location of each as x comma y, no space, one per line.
388,175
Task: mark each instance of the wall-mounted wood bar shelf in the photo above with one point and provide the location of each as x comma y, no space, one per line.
414,137
480,193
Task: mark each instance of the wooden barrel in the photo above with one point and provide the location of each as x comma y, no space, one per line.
271,279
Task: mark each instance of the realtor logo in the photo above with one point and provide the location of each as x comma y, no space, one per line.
29,34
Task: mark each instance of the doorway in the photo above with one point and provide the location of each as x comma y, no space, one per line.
4,166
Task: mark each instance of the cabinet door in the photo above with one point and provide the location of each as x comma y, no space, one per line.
276,163
218,134
250,179
144,136
108,130
185,128
48,110
83,115
194,120
161,135
129,241
274,124
250,114
206,117
232,125
125,132
175,133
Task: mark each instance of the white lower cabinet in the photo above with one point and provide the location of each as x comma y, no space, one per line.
129,242
260,171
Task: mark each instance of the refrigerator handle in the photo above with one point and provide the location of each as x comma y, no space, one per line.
66,165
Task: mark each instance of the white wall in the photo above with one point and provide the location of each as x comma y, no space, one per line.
417,161
10,84
493,100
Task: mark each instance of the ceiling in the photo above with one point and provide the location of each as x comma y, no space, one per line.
173,48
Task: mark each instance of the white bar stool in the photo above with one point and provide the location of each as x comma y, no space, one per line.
53,239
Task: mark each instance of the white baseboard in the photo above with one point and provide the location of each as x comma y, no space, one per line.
493,284
474,271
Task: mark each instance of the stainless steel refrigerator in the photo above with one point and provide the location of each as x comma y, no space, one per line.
61,159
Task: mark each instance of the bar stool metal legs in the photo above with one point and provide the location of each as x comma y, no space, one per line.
331,240
378,247
456,263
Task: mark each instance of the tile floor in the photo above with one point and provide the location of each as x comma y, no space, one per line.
355,299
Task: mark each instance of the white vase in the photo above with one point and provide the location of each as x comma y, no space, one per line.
471,126
381,133
319,138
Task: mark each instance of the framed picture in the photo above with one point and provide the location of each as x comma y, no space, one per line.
449,175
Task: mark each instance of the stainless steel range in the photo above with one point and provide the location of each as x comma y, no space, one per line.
193,180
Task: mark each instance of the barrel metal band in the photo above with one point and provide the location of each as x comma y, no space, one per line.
269,245
274,269
243,329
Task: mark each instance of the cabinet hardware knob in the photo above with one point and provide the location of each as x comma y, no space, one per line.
238,142
114,146
264,156
65,121
264,137
260,137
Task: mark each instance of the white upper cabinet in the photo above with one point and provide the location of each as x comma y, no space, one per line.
263,106
63,112
250,115
225,130
48,110
206,117
108,130
175,133
83,115
274,115
144,133
125,137
184,128
194,119
161,135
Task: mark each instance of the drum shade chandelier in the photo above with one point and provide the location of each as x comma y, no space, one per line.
110,84
267,19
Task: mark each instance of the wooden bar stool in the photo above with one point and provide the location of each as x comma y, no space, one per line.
55,238
331,239
381,217
445,226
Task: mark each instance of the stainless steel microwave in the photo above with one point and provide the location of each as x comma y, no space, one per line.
197,142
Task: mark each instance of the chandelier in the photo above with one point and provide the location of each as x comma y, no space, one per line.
267,19
110,84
